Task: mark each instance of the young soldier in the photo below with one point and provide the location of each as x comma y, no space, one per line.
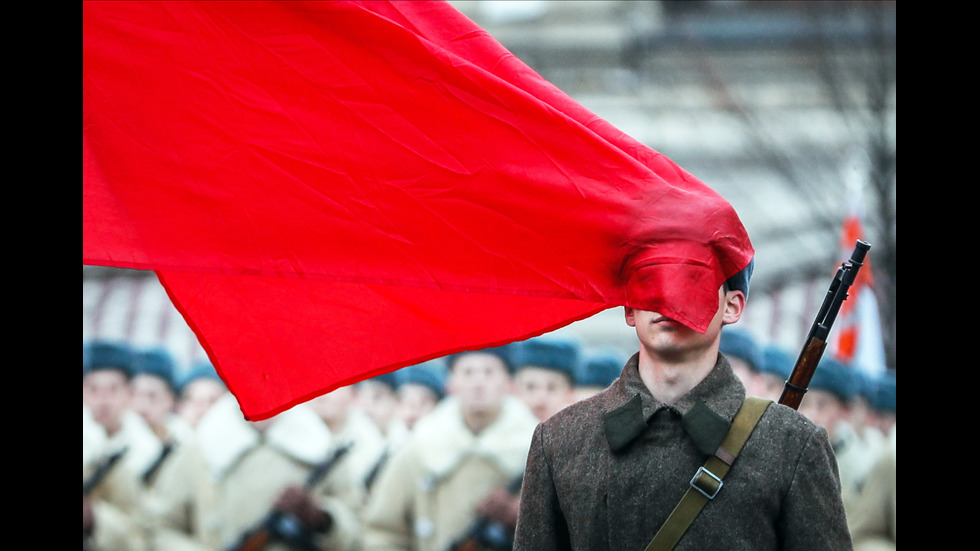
606,473
377,398
883,408
420,389
777,365
264,467
350,425
598,369
111,514
545,369
862,416
176,486
745,357
827,403
456,465
874,516
198,390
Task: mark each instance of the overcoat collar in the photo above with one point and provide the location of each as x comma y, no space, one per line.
706,411
225,436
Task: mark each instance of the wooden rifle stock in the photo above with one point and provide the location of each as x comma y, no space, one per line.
816,341
269,527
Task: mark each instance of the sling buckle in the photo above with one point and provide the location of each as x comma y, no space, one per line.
708,485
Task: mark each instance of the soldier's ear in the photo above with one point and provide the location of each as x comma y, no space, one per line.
630,316
734,307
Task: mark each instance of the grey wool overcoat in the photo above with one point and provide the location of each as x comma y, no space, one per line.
604,474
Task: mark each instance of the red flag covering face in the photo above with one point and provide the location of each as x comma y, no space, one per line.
332,190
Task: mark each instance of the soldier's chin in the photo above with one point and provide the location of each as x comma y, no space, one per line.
482,406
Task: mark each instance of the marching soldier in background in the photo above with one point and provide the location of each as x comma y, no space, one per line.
420,389
883,407
377,398
109,495
777,364
263,488
598,369
862,412
874,515
544,379
176,486
545,369
745,356
348,424
439,488
110,437
827,403
198,390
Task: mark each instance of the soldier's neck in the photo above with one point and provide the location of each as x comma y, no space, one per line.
336,423
477,420
668,380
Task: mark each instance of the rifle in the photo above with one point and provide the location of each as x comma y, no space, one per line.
375,470
486,534
101,471
278,525
151,471
806,364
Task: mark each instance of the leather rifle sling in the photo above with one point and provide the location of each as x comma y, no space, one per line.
707,481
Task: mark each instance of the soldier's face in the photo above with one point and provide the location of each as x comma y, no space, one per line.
823,408
197,399
544,390
107,393
749,377
664,337
378,400
479,381
335,404
772,386
414,402
152,399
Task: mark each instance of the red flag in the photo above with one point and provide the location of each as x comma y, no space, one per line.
859,341
332,190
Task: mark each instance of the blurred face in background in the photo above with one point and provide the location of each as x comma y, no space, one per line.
885,421
750,378
198,397
480,382
108,395
771,386
545,391
153,399
333,406
378,401
414,402
825,409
